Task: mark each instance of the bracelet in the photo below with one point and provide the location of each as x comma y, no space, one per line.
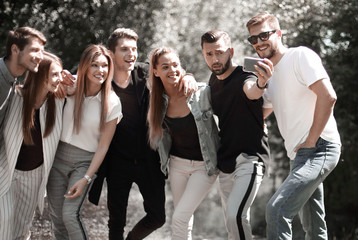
88,178
257,84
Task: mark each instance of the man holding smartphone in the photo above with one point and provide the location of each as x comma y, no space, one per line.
302,97
244,152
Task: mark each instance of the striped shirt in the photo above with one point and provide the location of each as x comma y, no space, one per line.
12,139
7,84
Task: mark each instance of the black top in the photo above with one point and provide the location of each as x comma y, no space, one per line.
241,120
31,156
130,140
184,135
129,126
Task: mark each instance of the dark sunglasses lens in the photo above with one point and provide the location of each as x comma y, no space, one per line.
253,39
264,36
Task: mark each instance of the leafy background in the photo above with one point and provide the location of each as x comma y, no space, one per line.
327,26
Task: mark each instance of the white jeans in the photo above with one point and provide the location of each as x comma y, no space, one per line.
190,184
238,191
18,205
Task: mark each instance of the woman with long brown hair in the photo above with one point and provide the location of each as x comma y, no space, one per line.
184,132
89,121
31,134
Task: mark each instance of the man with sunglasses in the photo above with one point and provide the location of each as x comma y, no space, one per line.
243,155
302,97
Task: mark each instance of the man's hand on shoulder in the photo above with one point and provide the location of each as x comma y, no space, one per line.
68,81
189,84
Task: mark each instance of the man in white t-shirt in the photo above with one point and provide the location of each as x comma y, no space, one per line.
302,97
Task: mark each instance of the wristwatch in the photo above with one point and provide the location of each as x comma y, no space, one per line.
88,178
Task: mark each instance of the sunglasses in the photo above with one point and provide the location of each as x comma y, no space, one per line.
264,36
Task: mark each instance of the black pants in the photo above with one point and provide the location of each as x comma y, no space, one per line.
121,174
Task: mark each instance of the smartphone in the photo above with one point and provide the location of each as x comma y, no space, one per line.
250,62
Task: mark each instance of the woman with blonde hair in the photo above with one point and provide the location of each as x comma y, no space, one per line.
31,134
186,136
89,121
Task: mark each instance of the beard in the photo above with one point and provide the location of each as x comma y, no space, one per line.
223,69
270,54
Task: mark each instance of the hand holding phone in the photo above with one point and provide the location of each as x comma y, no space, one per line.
250,62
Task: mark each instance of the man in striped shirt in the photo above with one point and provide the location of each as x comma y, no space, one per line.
24,52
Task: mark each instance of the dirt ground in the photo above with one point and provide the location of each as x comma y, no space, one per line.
208,223
96,217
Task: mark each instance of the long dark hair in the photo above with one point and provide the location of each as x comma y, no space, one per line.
88,55
156,103
33,86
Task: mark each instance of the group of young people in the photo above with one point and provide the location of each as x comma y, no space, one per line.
162,127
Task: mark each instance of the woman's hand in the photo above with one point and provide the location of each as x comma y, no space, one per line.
77,189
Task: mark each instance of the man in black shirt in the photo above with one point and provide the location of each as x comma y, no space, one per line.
244,152
129,159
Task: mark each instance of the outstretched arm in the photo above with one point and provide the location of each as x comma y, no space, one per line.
103,145
255,89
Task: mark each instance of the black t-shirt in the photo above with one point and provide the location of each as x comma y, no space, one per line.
129,126
31,156
241,120
130,140
184,135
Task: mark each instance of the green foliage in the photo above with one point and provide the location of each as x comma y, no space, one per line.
329,27
342,65
72,25
182,23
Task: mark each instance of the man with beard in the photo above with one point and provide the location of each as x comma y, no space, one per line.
244,152
302,97
24,52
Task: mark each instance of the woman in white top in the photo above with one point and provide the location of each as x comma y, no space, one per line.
89,121
31,134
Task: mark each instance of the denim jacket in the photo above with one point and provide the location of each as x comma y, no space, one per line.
199,104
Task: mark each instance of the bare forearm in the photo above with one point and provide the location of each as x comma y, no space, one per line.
252,91
103,145
97,160
323,110
326,98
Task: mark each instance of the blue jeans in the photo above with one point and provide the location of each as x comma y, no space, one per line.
302,193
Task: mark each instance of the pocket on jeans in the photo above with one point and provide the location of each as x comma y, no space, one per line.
306,151
303,155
